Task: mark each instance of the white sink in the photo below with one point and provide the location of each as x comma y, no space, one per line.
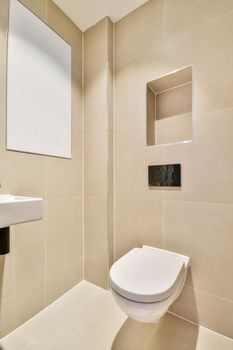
16,209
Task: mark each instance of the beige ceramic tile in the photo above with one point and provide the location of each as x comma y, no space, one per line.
208,340
60,23
212,145
64,176
96,46
110,81
28,236
96,163
110,233
213,134
133,335
28,244
129,173
177,334
8,320
174,135
207,76
150,135
36,326
110,199
74,322
131,80
178,121
36,6
28,302
24,174
205,309
95,100
173,102
60,337
180,16
139,31
70,300
25,273
132,158
172,333
6,275
137,222
96,270
76,98
130,98
212,81
110,31
189,227
13,342
64,232
96,240
150,117
173,80
86,319
61,280
77,59
4,10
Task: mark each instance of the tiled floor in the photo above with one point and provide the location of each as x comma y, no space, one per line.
87,318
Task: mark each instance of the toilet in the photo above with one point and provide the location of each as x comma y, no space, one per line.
146,281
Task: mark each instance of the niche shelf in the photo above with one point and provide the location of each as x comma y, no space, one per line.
169,108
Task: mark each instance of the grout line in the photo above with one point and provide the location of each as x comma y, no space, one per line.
114,148
45,204
199,325
83,160
163,21
212,295
227,13
46,11
45,229
183,318
174,129
174,87
165,42
163,224
147,343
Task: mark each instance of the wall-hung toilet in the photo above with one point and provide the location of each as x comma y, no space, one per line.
147,280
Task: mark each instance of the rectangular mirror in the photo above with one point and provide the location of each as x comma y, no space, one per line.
169,108
38,86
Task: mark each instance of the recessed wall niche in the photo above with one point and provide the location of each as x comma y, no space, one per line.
169,108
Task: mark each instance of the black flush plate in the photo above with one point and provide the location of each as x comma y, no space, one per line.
164,175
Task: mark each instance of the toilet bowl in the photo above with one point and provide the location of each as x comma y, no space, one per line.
146,281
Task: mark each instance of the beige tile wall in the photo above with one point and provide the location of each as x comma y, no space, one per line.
46,257
157,38
98,242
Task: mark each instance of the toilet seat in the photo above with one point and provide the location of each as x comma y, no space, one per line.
147,274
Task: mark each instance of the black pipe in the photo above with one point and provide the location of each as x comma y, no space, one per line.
4,240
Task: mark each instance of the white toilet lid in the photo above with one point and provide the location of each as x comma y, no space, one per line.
147,274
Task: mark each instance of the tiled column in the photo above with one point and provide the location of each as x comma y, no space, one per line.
98,59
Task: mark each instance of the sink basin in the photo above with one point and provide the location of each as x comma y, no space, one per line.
17,209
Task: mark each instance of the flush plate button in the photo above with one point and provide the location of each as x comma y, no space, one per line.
164,175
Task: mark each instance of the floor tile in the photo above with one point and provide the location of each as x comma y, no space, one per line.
98,319
37,326
13,342
60,337
87,318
